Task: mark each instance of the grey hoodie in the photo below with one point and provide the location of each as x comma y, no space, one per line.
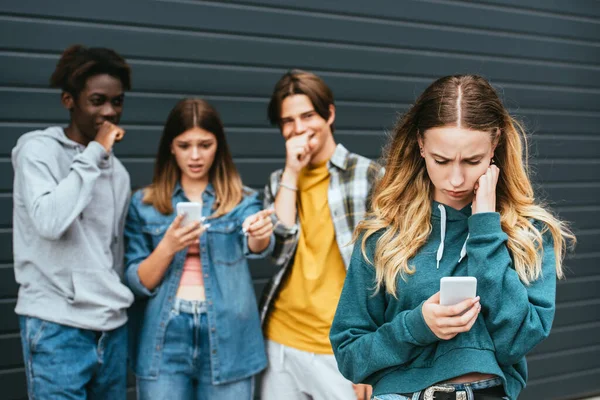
69,207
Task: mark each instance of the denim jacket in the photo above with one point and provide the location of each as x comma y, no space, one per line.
236,341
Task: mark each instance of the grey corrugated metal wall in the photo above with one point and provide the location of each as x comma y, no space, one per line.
377,56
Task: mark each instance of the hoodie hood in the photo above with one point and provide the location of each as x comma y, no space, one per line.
443,214
56,133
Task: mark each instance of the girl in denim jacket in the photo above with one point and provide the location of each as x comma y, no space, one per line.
194,329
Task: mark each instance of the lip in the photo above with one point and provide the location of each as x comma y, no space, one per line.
99,123
459,193
195,168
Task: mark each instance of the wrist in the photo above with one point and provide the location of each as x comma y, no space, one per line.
107,149
165,249
257,245
484,209
484,223
289,177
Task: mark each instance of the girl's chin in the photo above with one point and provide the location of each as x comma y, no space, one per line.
196,176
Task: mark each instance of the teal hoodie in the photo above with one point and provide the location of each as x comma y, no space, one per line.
383,341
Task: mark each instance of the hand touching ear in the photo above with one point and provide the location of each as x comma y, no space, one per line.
485,191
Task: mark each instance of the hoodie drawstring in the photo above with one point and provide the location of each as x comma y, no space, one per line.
440,251
463,251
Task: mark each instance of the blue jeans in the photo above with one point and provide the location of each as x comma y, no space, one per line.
62,362
184,371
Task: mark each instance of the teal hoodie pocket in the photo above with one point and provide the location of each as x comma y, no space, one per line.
476,338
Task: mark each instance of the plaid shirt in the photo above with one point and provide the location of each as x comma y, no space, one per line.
351,181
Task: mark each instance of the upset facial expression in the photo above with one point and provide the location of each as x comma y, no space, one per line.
298,117
100,100
194,151
456,158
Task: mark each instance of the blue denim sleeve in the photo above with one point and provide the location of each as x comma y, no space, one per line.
137,248
252,206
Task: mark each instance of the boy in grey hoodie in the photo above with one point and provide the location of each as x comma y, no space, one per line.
70,200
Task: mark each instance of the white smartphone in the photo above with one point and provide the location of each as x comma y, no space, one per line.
192,211
454,289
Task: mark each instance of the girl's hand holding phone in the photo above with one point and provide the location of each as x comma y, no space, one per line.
179,237
485,191
448,321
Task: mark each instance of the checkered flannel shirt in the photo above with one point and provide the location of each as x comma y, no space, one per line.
351,180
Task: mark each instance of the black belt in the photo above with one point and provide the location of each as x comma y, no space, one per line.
492,393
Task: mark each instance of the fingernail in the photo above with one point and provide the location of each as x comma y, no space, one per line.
206,226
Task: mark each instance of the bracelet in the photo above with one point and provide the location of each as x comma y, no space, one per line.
288,187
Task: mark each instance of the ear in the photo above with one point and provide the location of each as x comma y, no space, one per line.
331,118
67,101
421,144
495,140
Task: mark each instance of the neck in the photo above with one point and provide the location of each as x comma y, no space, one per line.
75,135
193,188
325,153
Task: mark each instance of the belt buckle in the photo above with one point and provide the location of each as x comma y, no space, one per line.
430,392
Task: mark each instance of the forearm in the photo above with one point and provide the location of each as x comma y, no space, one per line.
285,201
152,270
518,316
258,245
53,209
360,327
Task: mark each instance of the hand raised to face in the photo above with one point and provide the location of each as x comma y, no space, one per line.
108,134
485,191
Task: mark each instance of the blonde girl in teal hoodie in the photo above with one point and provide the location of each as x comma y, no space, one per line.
456,200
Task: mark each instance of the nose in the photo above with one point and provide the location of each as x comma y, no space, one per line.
457,177
299,126
195,153
108,111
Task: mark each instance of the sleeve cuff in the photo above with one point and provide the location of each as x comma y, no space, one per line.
134,283
484,223
265,253
281,229
415,323
95,152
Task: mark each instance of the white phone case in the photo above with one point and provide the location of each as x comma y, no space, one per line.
454,289
192,211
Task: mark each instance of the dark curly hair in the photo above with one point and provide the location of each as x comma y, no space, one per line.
78,63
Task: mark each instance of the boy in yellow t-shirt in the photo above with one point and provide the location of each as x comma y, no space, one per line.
319,197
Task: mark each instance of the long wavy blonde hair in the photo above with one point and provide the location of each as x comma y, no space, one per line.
401,202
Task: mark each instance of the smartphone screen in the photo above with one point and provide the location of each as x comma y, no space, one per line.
454,289
191,210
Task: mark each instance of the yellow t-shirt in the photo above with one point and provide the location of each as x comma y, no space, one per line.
302,314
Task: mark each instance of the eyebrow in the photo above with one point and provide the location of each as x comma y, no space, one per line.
473,157
288,117
202,141
122,95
